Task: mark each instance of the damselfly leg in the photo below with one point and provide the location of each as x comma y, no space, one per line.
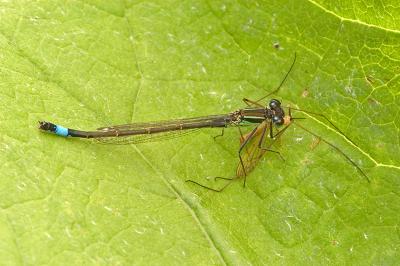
257,103
252,148
230,180
244,140
220,135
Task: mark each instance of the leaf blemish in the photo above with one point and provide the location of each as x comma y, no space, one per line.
278,254
140,232
299,139
305,93
288,224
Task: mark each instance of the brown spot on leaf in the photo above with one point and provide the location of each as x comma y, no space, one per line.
305,93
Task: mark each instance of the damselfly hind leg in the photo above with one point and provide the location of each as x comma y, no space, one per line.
244,140
230,180
223,178
220,135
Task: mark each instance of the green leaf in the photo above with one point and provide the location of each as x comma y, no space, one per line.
86,64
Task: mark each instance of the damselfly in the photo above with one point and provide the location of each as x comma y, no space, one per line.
267,119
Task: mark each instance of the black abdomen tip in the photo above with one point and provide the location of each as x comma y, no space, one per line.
47,126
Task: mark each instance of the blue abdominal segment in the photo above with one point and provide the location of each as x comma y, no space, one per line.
61,131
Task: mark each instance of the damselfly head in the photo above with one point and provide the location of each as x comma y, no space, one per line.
276,112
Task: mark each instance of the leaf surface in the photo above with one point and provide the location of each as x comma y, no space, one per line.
87,64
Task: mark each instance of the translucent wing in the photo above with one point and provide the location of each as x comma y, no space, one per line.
135,139
252,153
257,146
225,118
160,130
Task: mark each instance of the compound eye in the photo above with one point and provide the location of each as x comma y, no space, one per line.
274,103
277,120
